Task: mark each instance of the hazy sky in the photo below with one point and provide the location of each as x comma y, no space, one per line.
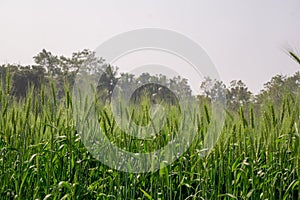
245,39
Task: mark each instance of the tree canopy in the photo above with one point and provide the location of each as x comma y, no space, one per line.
62,70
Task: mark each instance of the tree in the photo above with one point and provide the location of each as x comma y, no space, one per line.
48,61
25,77
107,83
273,90
237,94
213,89
278,87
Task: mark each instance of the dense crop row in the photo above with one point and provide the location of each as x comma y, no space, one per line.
42,155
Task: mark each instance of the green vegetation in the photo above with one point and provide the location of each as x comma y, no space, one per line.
42,155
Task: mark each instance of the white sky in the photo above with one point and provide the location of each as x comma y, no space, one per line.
245,39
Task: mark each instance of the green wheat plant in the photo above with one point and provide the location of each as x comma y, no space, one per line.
42,155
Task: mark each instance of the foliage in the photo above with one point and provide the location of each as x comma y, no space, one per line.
278,87
42,156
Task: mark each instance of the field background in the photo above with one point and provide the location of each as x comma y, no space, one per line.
42,155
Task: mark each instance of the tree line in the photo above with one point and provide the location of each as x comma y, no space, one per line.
61,71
